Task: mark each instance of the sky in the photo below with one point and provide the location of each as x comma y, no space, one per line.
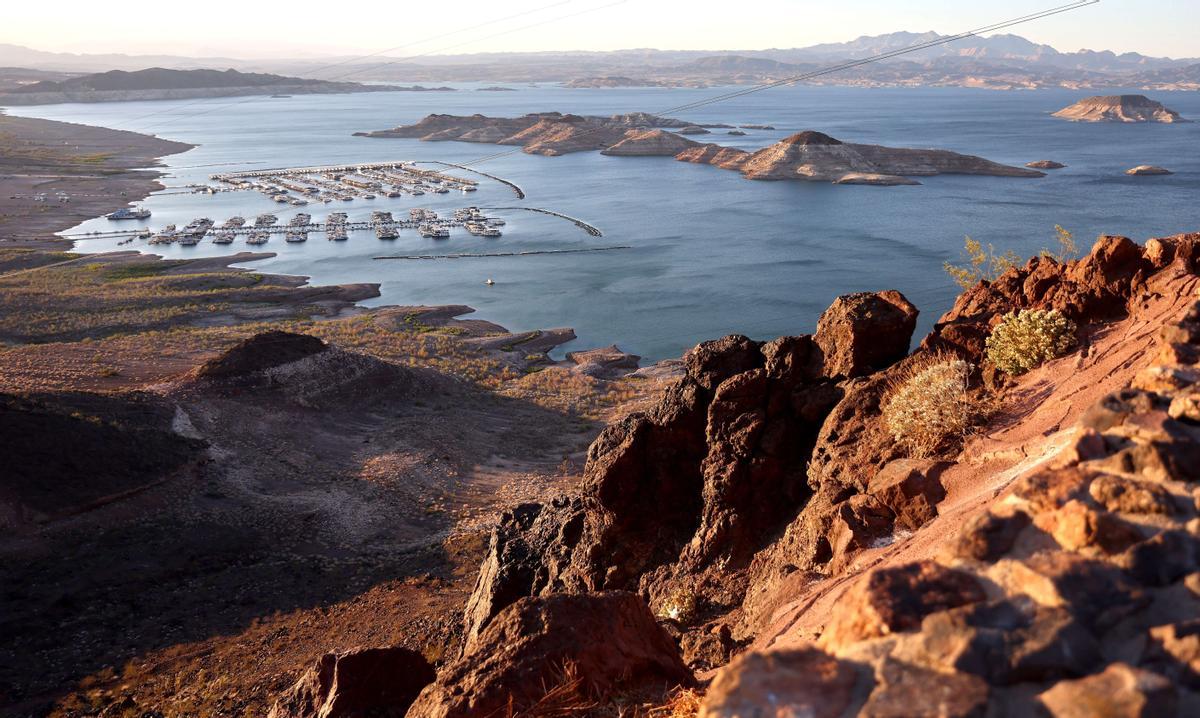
302,28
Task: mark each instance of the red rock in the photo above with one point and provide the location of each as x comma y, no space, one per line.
1173,650
1118,493
359,683
1049,489
1076,526
911,489
610,638
989,536
891,600
865,332
785,683
859,522
1163,558
906,691
1120,691
1097,593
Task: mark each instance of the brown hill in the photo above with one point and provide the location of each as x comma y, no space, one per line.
1119,108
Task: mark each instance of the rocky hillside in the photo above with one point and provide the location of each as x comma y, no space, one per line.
763,520
1119,108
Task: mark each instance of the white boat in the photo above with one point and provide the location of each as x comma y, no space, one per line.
129,213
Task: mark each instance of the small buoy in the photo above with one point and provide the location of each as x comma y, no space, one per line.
489,282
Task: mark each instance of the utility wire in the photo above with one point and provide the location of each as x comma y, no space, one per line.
839,68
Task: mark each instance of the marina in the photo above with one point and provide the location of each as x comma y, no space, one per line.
300,186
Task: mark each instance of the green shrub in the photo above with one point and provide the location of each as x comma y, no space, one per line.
930,405
1025,340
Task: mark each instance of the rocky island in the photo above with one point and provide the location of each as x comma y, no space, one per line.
1119,108
157,83
1147,170
808,155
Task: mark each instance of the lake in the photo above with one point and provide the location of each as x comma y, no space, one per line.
711,253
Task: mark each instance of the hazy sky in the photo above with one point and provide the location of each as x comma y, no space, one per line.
254,28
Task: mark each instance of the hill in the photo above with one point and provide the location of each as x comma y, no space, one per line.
161,83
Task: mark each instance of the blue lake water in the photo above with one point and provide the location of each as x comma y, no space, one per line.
712,253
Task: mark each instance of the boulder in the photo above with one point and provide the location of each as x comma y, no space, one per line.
1077,526
1118,493
1173,650
359,683
795,682
903,691
911,489
1004,642
1120,691
591,646
1162,559
989,536
862,333
1097,593
896,599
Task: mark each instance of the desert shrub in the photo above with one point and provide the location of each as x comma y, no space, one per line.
1025,340
679,606
980,263
1067,249
930,405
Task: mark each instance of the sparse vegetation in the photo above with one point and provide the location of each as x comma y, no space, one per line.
930,405
1025,340
679,606
980,264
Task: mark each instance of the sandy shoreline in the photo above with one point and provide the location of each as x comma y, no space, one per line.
96,168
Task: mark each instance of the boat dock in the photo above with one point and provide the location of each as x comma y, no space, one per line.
511,185
590,229
299,186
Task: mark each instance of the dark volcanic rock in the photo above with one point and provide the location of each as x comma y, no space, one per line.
608,639
989,536
261,351
360,683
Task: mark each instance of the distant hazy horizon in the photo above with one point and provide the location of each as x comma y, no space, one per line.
1162,28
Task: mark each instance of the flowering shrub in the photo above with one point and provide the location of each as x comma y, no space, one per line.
930,406
1026,340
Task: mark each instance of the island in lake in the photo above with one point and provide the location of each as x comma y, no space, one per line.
808,155
157,83
1119,108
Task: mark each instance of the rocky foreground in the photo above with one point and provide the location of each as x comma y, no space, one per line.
1119,108
759,536
809,155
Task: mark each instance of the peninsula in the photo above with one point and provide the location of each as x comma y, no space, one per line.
157,83
808,155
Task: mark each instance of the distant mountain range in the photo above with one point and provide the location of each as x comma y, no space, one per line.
998,61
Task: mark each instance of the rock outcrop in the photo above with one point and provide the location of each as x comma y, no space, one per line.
1119,108
260,352
677,501
1073,593
1045,165
359,683
650,143
818,157
1143,170
577,647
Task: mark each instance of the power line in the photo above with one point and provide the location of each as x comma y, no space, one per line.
840,67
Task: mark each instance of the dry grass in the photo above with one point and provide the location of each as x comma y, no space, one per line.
930,405
682,703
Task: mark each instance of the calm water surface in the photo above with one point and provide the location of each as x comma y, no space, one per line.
712,253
